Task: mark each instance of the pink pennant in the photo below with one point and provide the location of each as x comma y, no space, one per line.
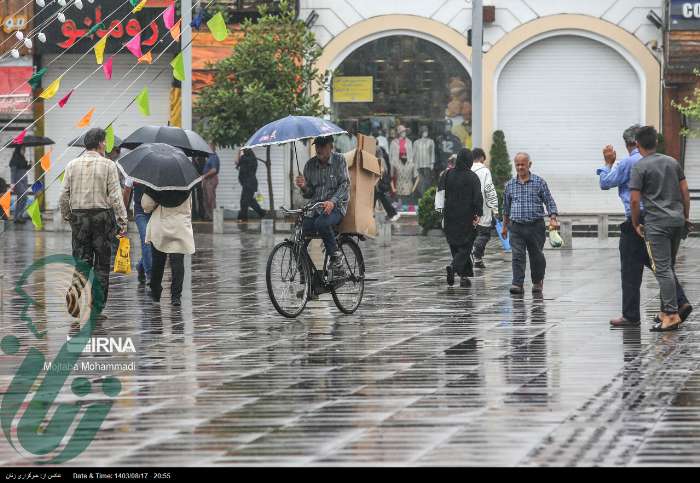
107,68
63,101
20,137
169,16
134,46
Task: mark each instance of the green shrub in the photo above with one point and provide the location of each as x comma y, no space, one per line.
428,218
500,165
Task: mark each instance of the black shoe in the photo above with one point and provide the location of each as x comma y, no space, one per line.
155,294
465,282
479,263
142,275
517,290
450,275
684,311
176,302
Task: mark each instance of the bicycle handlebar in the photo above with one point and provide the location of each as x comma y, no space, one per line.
305,209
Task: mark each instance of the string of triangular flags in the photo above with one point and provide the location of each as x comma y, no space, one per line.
219,31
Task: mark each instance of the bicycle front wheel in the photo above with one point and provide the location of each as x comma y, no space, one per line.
288,280
349,290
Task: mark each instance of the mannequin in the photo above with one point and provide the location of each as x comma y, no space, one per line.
382,141
401,147
447,145
424,157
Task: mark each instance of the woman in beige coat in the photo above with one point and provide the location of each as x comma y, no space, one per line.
170,234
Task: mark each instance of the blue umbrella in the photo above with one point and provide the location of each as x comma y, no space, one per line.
292,128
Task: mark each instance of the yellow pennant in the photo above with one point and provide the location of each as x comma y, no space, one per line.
46,161
140,6
100,50
146,58
87,118
51,91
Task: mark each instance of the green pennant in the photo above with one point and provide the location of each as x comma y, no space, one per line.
217,27
109,140
134,2
35,80
60,176
95,28
35,214
178,65
142,102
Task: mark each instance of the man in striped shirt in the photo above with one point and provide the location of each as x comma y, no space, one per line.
524,200
326,180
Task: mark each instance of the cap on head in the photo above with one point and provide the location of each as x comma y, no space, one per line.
401,129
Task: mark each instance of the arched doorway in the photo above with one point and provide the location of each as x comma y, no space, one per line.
562,98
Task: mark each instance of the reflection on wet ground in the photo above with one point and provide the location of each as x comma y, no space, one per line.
421,375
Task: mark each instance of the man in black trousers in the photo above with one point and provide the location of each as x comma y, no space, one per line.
633,252
524,200
247,168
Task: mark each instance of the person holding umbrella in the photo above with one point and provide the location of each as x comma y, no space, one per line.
168,177
169,232
326,180
19,167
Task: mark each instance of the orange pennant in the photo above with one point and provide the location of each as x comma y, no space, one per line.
146,58
5,203
46,161
85,121
175,30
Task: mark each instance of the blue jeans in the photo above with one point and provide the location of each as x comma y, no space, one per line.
146,262
322,225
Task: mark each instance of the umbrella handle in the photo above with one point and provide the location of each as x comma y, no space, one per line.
296,155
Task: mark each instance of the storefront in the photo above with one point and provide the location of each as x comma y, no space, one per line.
561,81
67,53
682,55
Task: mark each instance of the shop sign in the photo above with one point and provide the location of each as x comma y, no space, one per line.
353,89
118,21
15,93
685,15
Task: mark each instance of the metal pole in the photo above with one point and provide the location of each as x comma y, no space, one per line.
477,69
186,38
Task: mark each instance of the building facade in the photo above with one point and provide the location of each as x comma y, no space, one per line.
561,79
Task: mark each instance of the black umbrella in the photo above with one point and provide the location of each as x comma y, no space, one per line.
79,142
32,141
160,167
189,141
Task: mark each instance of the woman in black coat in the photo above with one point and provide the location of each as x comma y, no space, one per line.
463,208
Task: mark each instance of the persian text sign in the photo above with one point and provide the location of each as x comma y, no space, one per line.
353,89
75,34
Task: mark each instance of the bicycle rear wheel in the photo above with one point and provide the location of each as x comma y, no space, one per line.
288,280
348,291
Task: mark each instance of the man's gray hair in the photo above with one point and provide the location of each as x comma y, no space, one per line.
527,156
630,134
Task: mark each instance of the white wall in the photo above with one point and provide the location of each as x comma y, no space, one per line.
337,15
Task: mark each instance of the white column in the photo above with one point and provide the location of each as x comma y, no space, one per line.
187,60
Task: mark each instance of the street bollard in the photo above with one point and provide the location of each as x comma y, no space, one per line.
566,231
383,230
602,227
267,228
218,219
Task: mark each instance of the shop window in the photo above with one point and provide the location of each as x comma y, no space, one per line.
403,81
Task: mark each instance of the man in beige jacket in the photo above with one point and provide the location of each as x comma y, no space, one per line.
90,201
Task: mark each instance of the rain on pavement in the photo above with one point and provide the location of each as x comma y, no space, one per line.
423,374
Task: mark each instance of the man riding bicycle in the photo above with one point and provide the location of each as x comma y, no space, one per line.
326,180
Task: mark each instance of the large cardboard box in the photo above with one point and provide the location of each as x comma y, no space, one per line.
365,171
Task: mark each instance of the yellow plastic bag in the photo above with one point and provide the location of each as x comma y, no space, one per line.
122,260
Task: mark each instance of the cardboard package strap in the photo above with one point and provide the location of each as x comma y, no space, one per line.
365,171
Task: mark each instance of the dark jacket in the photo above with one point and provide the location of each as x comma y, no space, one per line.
247,168
463,201
18,160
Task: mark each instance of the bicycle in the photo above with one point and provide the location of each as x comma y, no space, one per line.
292,278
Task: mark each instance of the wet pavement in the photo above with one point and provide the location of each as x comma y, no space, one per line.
423,374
